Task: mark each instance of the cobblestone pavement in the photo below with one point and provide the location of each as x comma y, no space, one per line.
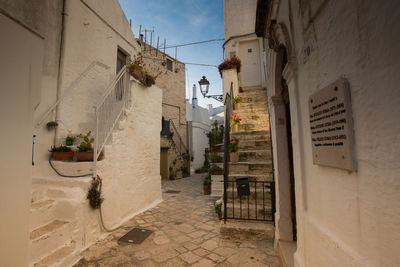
186,233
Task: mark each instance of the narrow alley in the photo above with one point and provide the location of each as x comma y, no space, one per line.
186,233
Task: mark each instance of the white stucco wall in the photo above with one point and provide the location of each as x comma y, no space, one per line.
239,21
346,218
201,125
19,95
131,169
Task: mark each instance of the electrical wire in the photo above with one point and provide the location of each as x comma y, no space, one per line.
194,43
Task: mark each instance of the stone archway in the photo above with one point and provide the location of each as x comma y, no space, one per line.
280,67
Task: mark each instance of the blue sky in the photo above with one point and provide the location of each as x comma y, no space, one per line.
185,21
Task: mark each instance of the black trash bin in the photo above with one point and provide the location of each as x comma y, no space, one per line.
243,187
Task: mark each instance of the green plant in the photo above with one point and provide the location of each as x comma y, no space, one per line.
60,149
233,145
94,193
237,99
86,144
218,208
235,119
69,140
207,181
214,168
215,157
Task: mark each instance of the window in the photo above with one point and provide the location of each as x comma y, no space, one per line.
169,64
121,60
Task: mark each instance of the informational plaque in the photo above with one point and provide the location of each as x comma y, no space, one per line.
331,125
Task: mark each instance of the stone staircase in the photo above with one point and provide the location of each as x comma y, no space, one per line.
255,159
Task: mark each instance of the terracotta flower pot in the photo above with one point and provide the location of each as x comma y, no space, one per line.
237,106
220,216
217,173
84,156
206,190
136,73
234,156
235,127
65,156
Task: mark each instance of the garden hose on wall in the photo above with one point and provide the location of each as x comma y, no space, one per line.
101,184
101,213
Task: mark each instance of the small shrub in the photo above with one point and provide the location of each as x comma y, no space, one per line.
60,149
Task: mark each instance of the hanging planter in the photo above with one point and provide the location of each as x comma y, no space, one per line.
233,148
51,125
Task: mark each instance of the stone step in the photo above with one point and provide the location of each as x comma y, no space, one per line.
246,127
252,106
253,97
248,110
41,213
241,230
250,167
251,118
245,145
258,89
50,236
254,155
251,135
64,256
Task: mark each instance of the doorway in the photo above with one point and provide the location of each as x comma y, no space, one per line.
286,100
249,53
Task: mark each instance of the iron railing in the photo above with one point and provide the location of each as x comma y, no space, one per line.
108,110
259,205
70,89
177,139
228,110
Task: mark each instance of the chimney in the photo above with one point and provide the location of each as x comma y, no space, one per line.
194,99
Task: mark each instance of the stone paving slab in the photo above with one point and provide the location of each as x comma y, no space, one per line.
186,233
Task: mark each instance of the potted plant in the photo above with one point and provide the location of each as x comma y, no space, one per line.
236,101
215,170
230,63
69,140
218,209
51,125
136,67
216,158
207,185
62,153
233,148
85,149
235,121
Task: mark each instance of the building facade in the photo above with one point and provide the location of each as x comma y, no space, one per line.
60,59
337,202
170,74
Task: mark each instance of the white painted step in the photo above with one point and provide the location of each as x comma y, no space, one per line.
49,237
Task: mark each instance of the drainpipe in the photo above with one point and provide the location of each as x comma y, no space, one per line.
60,64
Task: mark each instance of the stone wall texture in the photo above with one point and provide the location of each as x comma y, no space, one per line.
343,218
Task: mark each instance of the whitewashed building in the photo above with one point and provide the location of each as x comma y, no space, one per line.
334,103
199,125
59,60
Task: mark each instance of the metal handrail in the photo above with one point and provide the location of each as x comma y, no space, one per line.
108,110
181,144
228,110
69,89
